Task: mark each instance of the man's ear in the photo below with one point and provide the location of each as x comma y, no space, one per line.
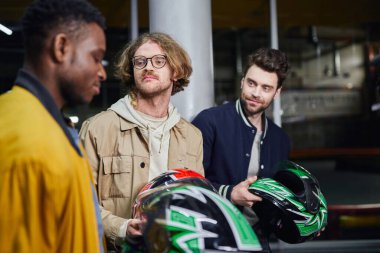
174,77
278,92
60,47
242,83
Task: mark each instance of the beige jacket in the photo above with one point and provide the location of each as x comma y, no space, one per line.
119,157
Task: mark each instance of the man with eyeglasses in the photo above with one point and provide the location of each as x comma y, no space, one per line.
142,134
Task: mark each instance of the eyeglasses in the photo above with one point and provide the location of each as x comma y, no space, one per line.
158,61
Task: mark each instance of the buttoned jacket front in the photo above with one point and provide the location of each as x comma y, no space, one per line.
119,156
228,144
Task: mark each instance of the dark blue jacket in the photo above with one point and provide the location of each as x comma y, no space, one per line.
227,144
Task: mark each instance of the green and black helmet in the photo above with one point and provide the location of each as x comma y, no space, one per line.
187,218
293,205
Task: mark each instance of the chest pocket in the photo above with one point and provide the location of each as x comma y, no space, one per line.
116,178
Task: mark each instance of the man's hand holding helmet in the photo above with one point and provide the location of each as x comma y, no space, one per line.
134,227
241,196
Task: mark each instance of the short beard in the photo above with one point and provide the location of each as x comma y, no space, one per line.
151,94
250,113
67,89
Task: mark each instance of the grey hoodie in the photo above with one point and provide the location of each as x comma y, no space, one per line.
155,131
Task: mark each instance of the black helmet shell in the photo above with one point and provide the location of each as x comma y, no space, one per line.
293,205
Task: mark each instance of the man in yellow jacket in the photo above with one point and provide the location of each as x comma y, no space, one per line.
47,197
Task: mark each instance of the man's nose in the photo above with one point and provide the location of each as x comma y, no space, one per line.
256,91
102,74
149,64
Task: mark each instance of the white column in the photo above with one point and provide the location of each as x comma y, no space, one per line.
189,23
274,44
134,20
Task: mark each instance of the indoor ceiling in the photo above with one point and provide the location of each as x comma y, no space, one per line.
236,13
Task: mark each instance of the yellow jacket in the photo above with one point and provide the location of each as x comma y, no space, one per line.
46,202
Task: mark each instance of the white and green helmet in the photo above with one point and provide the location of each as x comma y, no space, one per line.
188,218
293,205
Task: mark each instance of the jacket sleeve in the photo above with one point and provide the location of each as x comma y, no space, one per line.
89,146
25,191
204,122
224,190
288,146
199,166
111,223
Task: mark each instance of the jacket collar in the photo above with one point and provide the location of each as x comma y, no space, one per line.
264,120
27,81
127,125
125,110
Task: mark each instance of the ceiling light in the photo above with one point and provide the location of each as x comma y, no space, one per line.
5,30
105,63
74,119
